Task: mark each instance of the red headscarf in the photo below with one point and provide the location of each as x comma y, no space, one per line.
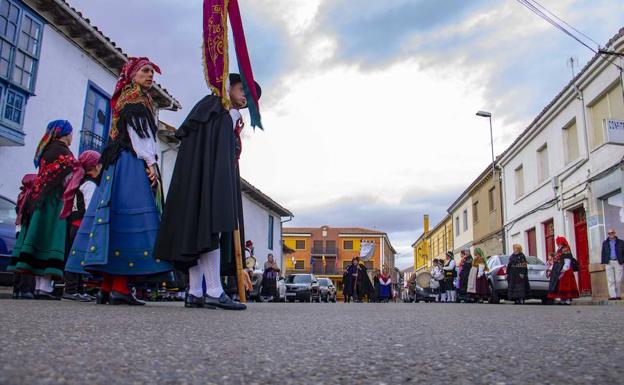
86,161
132,66
28,182
563,247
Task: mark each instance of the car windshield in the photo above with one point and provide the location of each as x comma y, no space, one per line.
7,212
299,279
531,260
324,282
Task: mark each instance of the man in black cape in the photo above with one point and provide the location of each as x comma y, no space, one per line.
204,203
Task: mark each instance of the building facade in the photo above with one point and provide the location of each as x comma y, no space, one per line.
564,174
327,251
461,214
54,65
487,213
440,239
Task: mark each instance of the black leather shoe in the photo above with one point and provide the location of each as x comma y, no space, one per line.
193,302
74,297
25,295
223,302
102,297
117,298
44,295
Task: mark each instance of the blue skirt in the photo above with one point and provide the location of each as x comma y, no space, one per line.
119,229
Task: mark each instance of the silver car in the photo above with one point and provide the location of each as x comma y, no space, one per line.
497,278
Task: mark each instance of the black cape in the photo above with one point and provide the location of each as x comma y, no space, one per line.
517,277
204,198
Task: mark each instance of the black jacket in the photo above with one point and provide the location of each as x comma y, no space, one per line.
619,251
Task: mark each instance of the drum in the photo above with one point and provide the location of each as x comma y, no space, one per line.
424,279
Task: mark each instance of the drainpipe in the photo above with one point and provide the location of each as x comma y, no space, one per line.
500,193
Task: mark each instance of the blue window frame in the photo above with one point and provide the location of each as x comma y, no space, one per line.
271,223
21,31
96,119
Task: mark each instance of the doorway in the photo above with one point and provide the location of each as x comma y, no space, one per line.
582,250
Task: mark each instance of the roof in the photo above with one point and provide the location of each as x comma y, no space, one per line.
341,230
71,23
565,89
263,199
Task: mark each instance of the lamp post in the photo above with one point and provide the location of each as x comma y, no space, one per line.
485,114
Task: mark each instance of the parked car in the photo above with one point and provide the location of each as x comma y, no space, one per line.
302,287
328,290
497,278
7,238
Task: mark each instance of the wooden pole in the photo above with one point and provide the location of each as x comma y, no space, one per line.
238,255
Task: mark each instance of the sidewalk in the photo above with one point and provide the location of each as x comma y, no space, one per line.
589,301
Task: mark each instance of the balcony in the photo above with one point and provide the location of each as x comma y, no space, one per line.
326,251
329,268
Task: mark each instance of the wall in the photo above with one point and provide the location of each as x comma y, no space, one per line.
61,88
487,229
465,237
257,230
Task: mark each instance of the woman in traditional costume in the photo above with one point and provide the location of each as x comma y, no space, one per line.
465,266
118,232
450,273
478,283
517,276
562,280
42,242
385,285
269,278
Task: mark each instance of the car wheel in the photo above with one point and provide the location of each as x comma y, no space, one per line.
309,299
493,295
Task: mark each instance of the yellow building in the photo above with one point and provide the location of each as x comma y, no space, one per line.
421,248
440,239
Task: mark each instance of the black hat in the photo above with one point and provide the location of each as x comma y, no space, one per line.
236,78
449,254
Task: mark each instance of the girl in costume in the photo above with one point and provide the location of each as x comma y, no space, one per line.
517,276
41,245
385,285
562,280
87,176
117,234
450,273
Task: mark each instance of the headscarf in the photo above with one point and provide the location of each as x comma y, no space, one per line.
28,181
55,130
125,93
479,258
563,247
86,161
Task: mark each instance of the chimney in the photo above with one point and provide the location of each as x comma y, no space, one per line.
426,224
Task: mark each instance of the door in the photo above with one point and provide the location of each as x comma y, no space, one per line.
531,242
549,238
582,251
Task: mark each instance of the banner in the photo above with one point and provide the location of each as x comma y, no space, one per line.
215,47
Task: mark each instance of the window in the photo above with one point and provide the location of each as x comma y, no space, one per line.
457,226
465,218
330,247
531,242
271,229
491,205
299,244
609,106
347,245
571,146
96,120
475,212
543,171
299,265
614,213
14,107
519,174
20,46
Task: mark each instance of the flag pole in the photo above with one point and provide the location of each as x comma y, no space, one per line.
238,255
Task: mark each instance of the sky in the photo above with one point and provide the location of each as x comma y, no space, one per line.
369,106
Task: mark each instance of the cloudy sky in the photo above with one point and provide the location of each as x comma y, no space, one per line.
369,105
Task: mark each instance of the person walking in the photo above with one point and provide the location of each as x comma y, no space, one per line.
613,259
517,276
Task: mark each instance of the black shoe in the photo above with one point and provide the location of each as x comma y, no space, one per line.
102,297
223,302
193,302
44,295
75,297
87,297
116,298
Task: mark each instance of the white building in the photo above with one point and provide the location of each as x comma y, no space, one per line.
461,215
53,65
564,174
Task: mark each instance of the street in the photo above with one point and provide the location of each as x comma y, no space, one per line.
73,343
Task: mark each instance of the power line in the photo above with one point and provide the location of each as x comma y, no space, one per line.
566,23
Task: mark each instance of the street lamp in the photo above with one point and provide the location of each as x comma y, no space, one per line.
485,114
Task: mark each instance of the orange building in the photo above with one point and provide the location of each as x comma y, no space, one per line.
327,251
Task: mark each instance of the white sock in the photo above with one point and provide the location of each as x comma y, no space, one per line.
43,284
196,278
210,264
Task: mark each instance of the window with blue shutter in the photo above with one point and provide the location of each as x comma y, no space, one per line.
96,120
20,46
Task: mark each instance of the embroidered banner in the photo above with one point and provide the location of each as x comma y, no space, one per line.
215,47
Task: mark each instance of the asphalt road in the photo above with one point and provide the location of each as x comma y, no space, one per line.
163,343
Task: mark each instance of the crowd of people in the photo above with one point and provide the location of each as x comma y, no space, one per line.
357,285
104,215
467,280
